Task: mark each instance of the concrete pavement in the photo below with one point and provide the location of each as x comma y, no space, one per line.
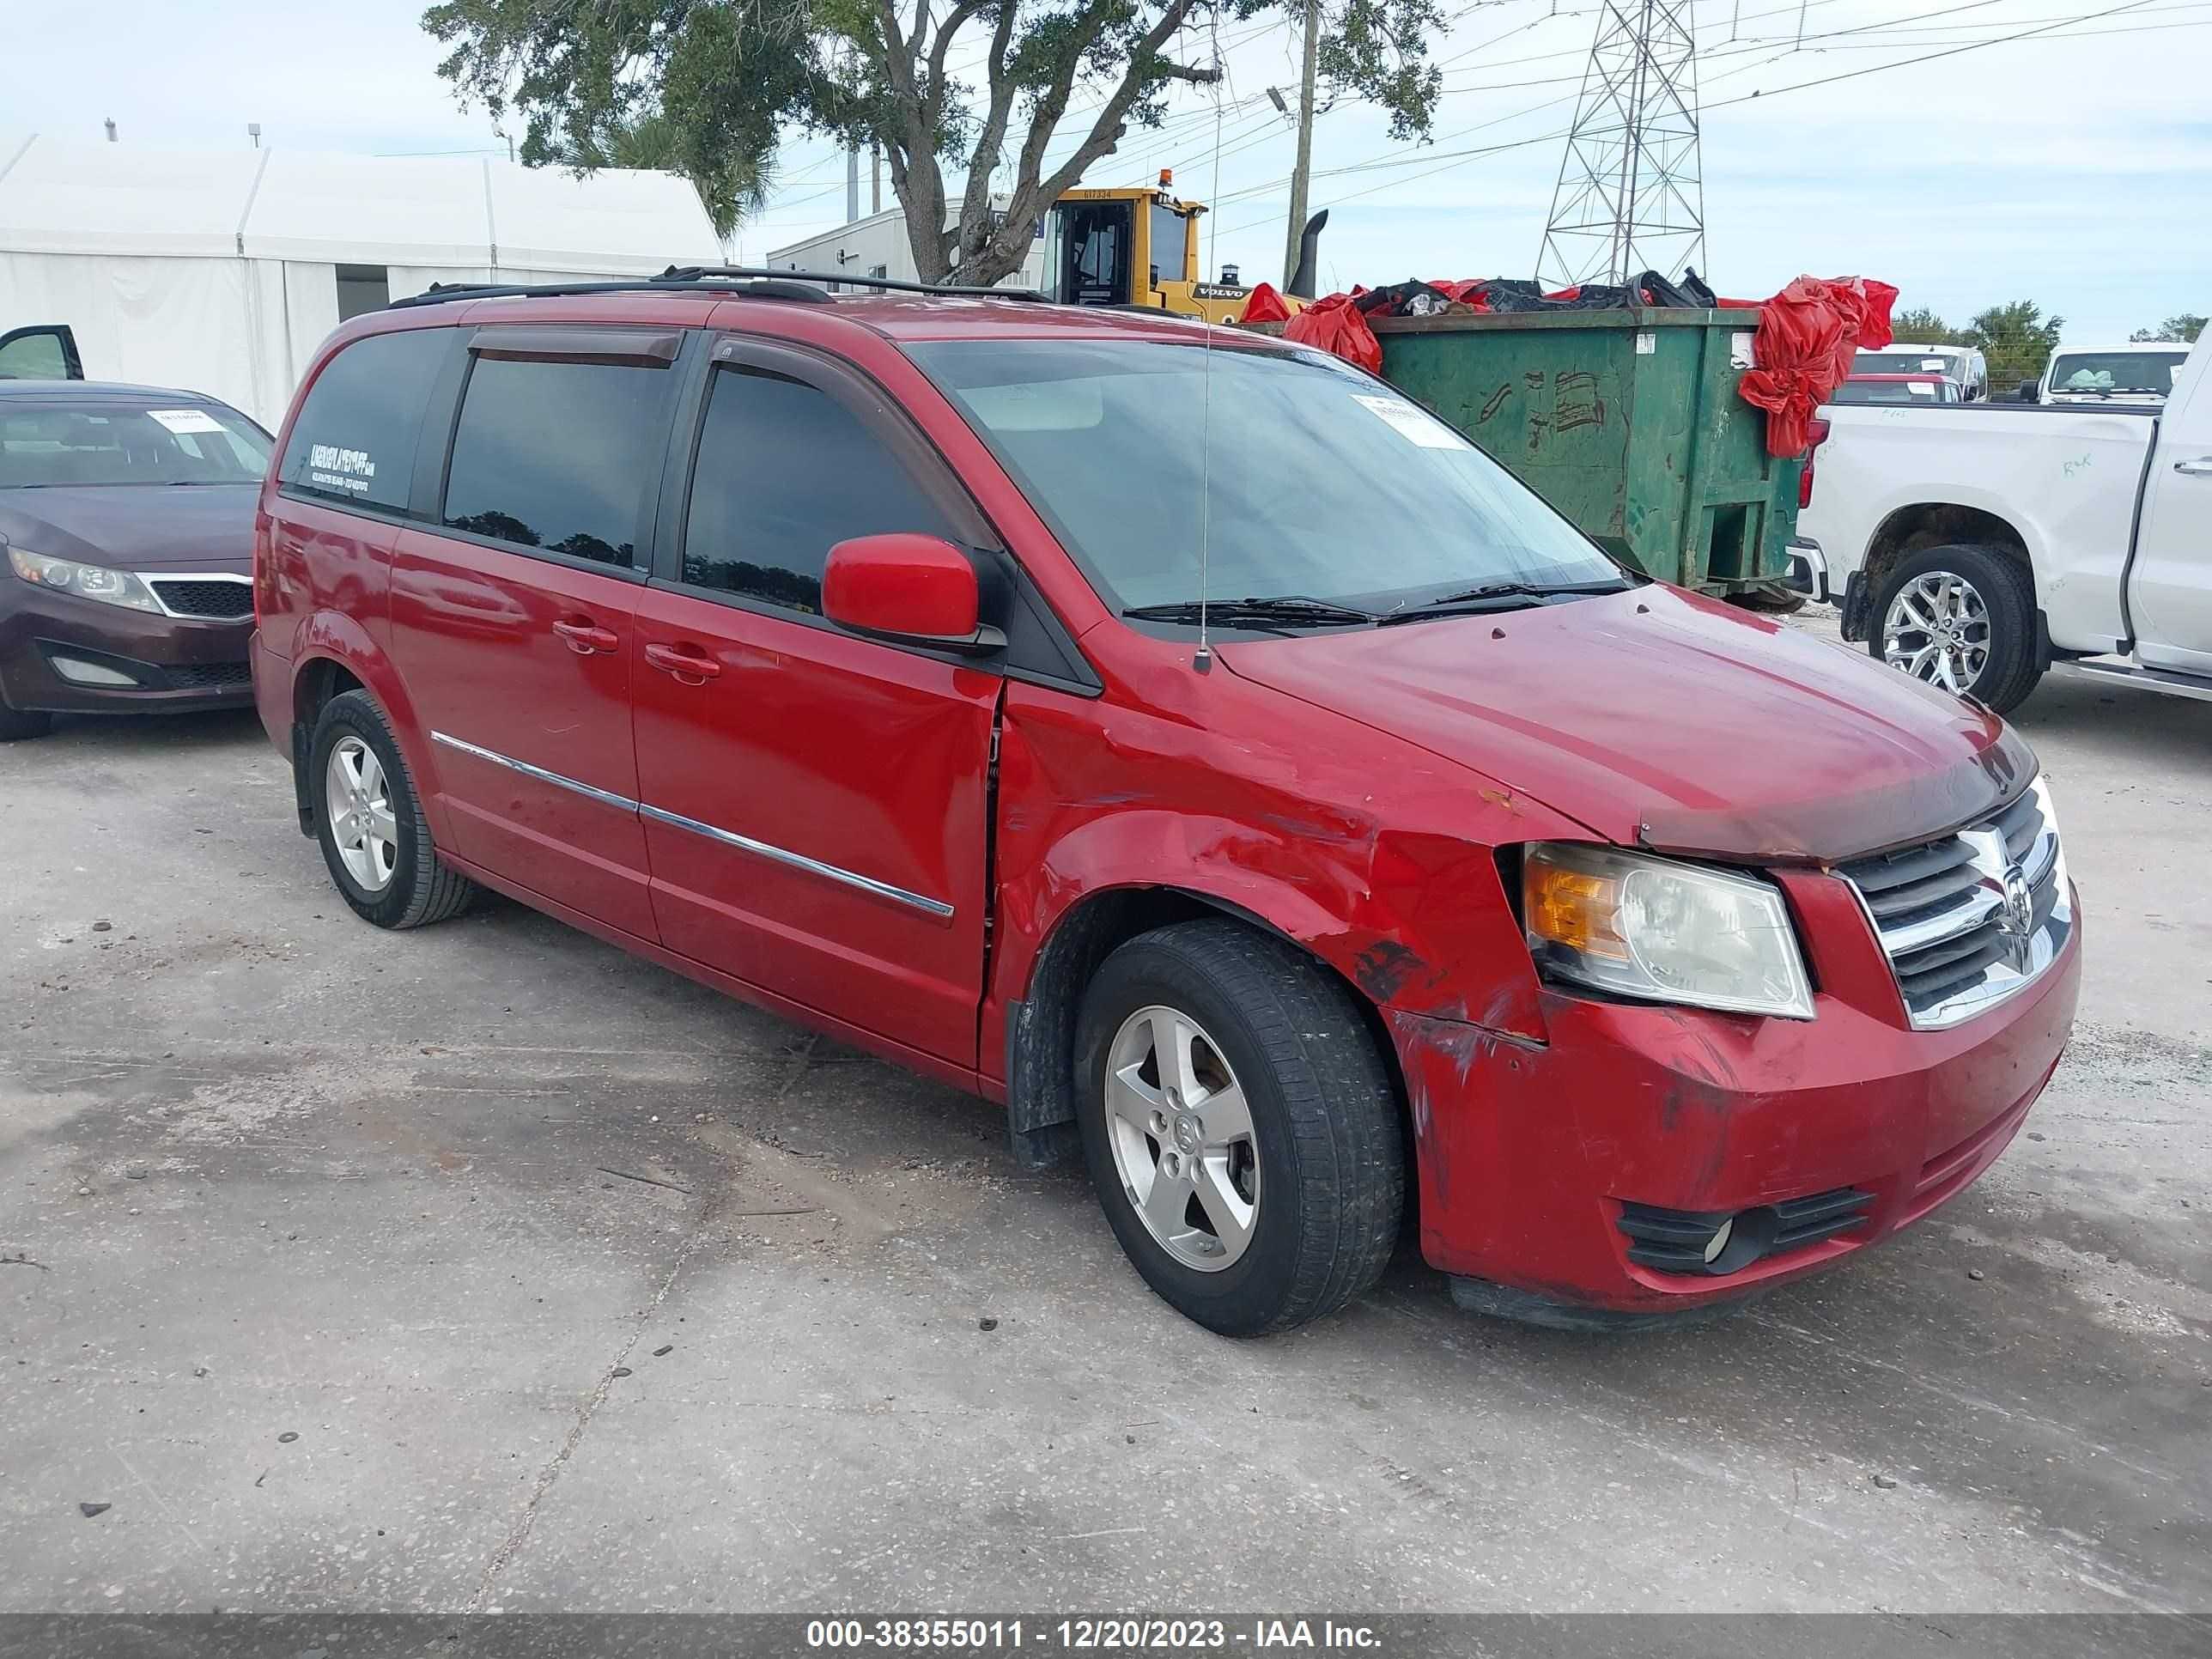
582,1288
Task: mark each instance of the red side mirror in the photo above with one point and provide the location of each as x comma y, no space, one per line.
906,585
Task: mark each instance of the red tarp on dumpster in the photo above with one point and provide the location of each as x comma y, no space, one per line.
1335,324
1806,335
1264,305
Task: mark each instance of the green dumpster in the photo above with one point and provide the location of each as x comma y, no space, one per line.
1627,422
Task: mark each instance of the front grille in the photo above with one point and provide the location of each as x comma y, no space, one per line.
1677,1241
1971,917
224,601
210,675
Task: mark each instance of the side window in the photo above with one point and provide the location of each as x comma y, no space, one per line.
36,354
558,455
355,439
785,473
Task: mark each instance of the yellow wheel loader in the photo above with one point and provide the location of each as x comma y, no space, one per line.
1138,247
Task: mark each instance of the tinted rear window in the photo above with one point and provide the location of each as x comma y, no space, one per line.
355,439
558,455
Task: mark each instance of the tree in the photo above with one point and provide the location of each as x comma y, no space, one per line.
729,76
1921,326
2016,338
730,182
2182,329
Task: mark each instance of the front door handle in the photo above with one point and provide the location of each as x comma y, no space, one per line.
584,637
2201,467
690,668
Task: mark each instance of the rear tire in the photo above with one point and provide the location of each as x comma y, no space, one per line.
1981,603
378,847
1295,1185
16,725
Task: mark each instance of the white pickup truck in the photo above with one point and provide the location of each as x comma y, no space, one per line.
1982,546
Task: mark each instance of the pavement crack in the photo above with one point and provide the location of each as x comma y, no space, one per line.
802,1062
518,1535
645,1180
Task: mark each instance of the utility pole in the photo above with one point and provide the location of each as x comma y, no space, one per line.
852,183
1300,173
1630,196
875,177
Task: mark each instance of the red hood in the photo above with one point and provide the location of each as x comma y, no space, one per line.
1658,718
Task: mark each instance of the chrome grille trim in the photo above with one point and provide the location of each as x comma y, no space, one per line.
1972,918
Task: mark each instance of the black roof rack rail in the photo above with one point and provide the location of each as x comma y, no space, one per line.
445,292
888,284
750,281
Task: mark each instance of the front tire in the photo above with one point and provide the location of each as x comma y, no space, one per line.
369,823
1961,617
1240,1126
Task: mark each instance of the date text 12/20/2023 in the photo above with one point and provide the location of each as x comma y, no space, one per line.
1085,1635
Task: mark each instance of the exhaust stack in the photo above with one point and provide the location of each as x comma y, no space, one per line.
1301,282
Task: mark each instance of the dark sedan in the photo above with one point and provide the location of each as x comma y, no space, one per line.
127,523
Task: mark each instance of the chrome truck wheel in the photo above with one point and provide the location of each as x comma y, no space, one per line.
1937,629
1961,617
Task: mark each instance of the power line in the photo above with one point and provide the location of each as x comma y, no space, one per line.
1445,161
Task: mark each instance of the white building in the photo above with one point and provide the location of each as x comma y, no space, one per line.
222,271
878,246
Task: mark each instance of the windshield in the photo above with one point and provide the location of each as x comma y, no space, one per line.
1901,362
1319,482
74,443
2117,373
1922,391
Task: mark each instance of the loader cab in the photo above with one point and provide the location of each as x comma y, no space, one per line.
1132,247
1091,252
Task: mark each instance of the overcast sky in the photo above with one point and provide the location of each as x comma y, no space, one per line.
2072,168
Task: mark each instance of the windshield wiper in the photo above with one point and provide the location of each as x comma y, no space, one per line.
1499,596
1279,610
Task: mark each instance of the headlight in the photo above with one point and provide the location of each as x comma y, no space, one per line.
1649,927
87,581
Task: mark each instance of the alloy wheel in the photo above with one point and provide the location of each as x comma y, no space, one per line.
1937,629
358,796
1183,1139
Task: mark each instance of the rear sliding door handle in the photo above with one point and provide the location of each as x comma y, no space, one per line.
584,637
2201,467
691,667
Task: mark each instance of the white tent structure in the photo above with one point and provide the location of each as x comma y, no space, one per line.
220,272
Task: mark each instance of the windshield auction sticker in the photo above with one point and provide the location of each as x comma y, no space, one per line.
1416,426
187,419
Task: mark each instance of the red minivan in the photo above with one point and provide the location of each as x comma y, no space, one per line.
1184,740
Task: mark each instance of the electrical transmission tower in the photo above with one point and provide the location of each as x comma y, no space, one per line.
1629,197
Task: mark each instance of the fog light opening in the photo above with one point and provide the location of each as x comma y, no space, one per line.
1742,1240
80,673
1719,1240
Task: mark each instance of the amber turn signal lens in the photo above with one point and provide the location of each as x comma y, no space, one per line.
1572,908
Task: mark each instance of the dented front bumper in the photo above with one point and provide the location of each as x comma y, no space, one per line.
1530,1154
